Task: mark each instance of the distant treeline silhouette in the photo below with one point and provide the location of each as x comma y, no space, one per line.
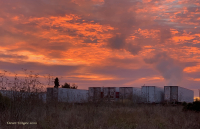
67,85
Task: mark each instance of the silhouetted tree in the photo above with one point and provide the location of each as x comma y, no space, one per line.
74,86
67,85
56,82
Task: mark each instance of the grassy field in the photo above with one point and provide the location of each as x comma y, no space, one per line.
95,116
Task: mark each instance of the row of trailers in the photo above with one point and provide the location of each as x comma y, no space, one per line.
145,94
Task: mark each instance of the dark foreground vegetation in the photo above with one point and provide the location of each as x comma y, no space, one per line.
195,106
93,116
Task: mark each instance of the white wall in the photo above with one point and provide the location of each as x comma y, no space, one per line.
72,95
137,98
185,95
152,94
159,94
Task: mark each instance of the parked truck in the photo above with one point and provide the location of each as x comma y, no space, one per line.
174,94
95,94
130,93
67,95
110,93
103,94
152,94
72,95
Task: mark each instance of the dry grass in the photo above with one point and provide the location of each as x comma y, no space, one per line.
102,116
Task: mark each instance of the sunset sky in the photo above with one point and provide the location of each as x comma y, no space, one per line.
94,43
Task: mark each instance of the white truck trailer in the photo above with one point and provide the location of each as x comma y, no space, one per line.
110,93
72,95
152,94
67,95
130,93
95,94
178,94
103,94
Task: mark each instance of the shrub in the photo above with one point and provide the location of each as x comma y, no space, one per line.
67,85
195,106
4,102
184,103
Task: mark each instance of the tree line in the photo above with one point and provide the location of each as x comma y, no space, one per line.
67,85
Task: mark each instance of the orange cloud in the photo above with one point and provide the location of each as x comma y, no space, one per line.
92,77
182,38
146,79
78,33
194,79
149,33
174,31
192,69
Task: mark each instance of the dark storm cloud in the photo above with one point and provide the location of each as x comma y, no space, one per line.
189,64
39,8
121,61
27,27
126,74
165,34
190,16
12,56
193,9
90,41
145,41
133,49
190,84
4,32
116,14
85,19
190,44
117,42
18,36
60,70
26,9
65,31
54,55
193,74
60,46
32,43
170,70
